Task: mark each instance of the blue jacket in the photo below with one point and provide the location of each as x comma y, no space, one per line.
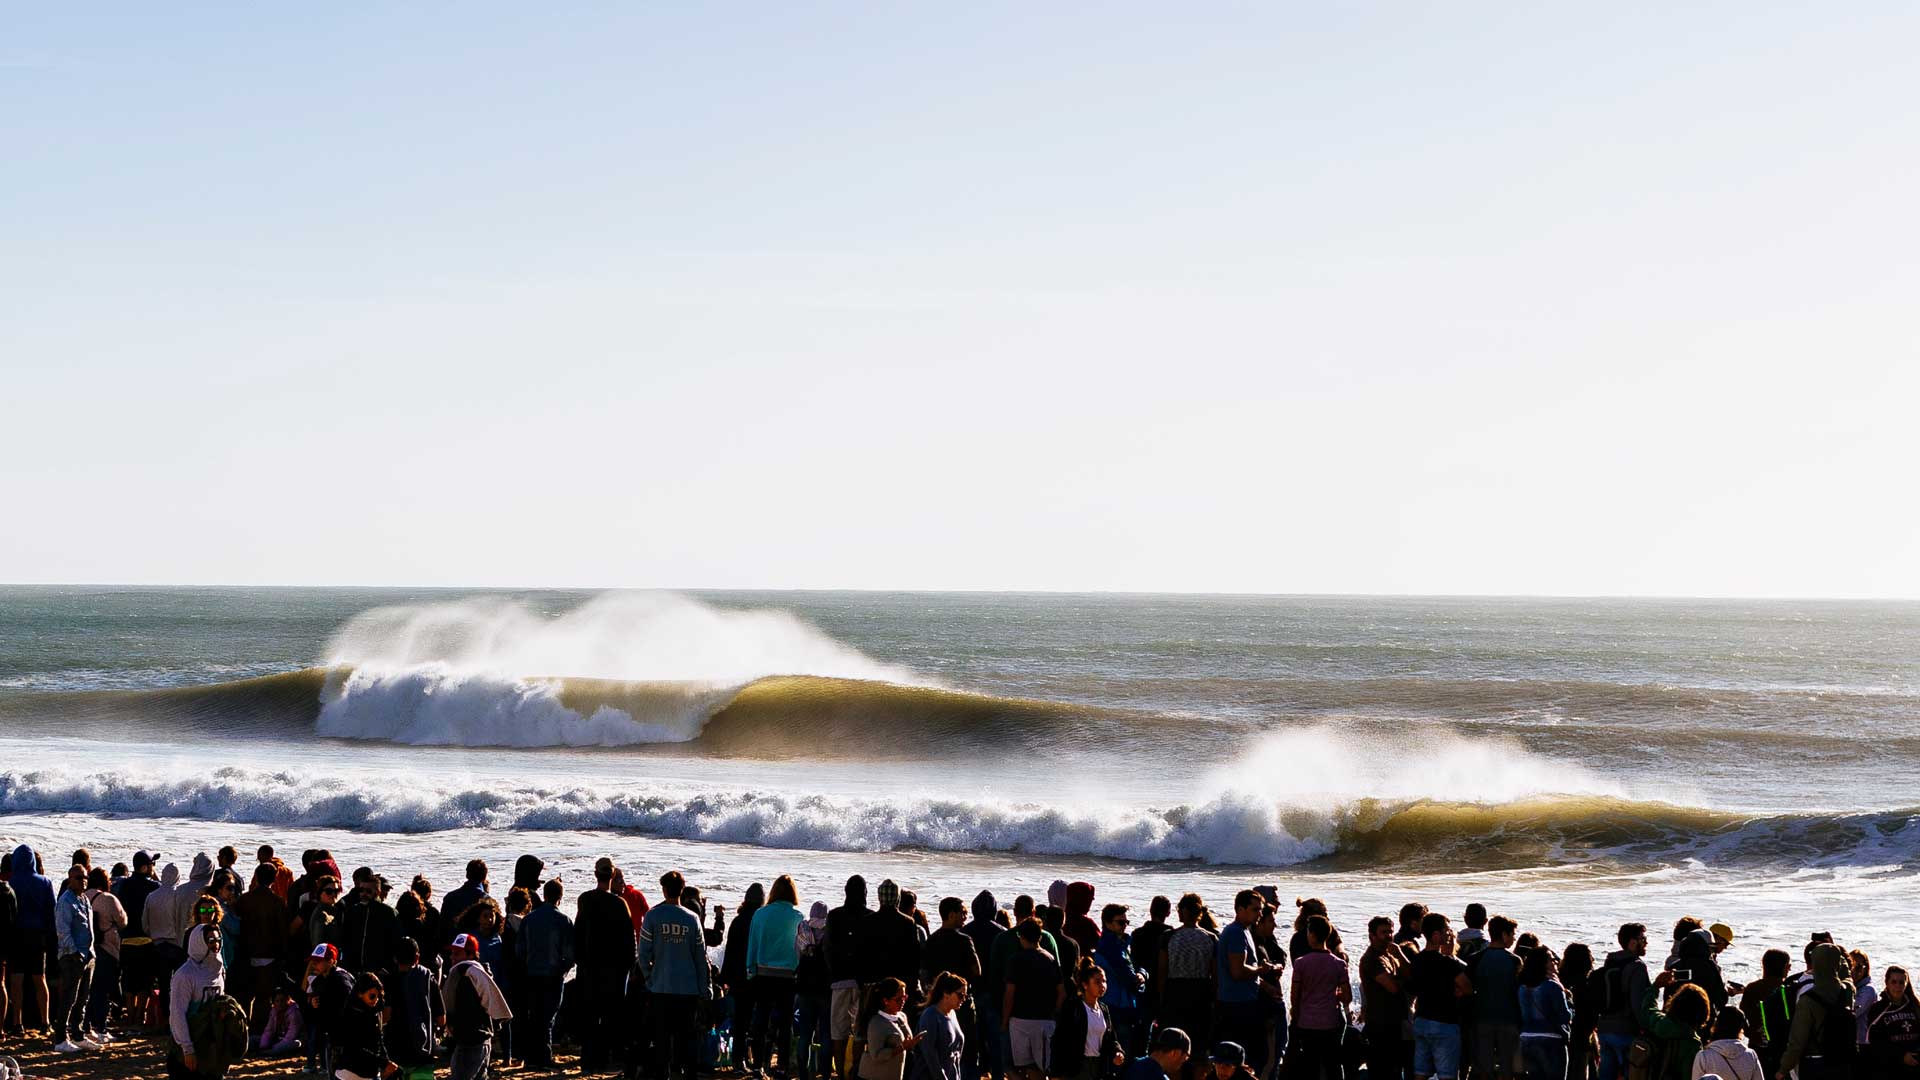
74,925
545,945
1113,956
1544,1010
773,940
673,952
34,891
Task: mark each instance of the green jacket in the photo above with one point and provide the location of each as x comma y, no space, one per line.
1674,1046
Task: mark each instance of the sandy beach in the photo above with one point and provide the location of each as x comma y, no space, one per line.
145,1056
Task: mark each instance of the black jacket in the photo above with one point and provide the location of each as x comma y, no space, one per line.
950,950
1070,1043
890,943
846,940
602,934
359,1043
369,936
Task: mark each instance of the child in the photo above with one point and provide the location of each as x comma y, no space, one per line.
359,1038
417,1009
282,1035
329,986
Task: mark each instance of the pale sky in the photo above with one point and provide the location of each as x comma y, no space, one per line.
1482,298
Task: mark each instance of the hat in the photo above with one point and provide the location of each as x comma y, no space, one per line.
324,951
465,943
1722,931
141,858
1228,1053
1172,1038
889,894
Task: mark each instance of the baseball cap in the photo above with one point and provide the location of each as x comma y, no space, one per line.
1172,1038
1722,931
465,943
1228,1053
324,951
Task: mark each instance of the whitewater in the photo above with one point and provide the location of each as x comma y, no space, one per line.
1569,755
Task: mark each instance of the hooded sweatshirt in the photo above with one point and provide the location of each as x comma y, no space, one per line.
1633,984
847,961
983,929
810,945
1829,1000
733,961
201,979
1080,926
169,908
526,874
33,892
1695,954
773,944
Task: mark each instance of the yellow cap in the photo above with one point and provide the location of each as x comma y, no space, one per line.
1722,931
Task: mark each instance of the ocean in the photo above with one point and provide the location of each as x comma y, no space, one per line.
1575,763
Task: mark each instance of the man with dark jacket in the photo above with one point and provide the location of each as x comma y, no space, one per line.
892,944
848,967
32,942
1698,954
984,1054
545,946
1623,982
263,943
369,930
466,895
603,941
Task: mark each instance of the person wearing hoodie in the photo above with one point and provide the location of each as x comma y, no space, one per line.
1893,1029
282,1035
813,989
526,874
603,941
985,1053
673,960
733,974
772,961
414,1013
1697,954
1823,1042
1079,922
1624,985
73,927
849,968
360,1036
200,978
545,947
1769,1009
1727,1056
33,940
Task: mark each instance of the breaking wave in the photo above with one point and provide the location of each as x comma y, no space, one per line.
1236,828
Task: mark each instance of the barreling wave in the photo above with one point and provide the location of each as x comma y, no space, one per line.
1236,829
436,705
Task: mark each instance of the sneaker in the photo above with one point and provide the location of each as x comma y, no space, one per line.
88,1044
65,1046
101,1037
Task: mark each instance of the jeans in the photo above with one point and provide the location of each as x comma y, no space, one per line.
772,1020
993,1041
1544,1057
76,980
1436,1049
1613,1055
543,1004
106,987
676,1035
1496,1051
470,1062
816,1037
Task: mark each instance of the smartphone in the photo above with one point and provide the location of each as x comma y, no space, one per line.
1683,975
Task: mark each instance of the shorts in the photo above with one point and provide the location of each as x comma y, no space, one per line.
136,967
1030,1042
28,956
842,1011
1436,1049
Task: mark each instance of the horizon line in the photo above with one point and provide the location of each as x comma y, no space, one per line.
976,591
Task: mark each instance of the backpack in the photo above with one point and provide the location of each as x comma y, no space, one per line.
1647,1058
219,1030
1836,1041
1607,989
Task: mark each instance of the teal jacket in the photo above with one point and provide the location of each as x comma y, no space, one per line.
773,941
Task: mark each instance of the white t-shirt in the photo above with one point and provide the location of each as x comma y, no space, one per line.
1096,1029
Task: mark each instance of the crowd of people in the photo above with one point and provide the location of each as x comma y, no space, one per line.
364,980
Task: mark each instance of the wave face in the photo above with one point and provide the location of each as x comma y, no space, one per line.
1235,829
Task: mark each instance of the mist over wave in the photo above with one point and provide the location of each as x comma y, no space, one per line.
498,672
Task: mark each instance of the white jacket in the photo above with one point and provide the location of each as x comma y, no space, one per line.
1728,1059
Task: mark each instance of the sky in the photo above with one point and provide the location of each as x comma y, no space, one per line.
1394,298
